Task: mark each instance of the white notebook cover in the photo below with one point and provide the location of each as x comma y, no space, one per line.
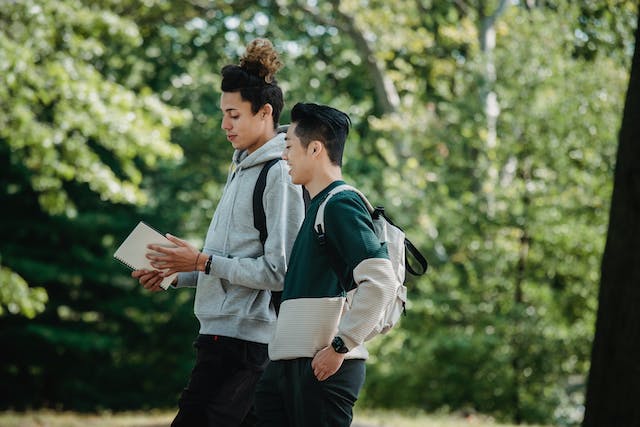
132,252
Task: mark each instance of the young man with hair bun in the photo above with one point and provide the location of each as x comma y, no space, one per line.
235,273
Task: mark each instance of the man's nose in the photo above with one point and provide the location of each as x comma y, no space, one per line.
226,124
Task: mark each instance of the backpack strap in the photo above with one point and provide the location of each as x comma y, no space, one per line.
318,225
410,248
375,213
259,216
306,197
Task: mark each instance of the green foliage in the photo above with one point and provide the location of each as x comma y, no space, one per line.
75,144
17,297
514,231
62,119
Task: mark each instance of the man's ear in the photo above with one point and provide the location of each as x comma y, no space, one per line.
267,110
315,148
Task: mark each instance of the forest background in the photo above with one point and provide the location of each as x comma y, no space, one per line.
488,129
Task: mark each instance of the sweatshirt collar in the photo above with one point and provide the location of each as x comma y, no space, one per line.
271,149
322,194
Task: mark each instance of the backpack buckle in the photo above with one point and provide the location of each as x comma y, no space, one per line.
378,211
322,238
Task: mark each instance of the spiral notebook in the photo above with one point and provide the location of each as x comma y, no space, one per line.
132,252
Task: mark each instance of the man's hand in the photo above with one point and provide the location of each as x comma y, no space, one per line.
326,362
149,279
184,257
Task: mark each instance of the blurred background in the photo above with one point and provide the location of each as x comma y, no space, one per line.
487,128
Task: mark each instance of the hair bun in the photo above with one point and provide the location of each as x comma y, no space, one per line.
261,59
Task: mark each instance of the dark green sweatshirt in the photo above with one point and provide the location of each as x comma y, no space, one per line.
313,307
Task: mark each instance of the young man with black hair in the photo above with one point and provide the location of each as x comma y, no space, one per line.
317,355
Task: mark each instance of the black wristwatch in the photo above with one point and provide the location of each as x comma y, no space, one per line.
338,345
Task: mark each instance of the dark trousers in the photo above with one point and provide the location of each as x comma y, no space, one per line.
289,395
220,391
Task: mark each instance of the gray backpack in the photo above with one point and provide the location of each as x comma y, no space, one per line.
397,245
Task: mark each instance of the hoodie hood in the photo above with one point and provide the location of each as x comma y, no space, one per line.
271,149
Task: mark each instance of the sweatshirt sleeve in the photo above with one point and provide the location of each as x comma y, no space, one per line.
349,229
187,279
374,278
284,212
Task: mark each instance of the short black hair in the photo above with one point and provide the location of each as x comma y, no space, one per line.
322,123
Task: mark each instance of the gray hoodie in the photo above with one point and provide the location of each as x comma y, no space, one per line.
234,299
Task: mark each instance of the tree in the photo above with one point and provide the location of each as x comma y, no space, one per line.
79,134
62,122
614,376
502,308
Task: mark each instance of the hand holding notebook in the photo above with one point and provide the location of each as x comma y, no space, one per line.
132,252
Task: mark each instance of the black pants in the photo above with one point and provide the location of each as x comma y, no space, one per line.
220,391
289,395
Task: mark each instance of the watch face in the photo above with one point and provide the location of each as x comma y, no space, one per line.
338,345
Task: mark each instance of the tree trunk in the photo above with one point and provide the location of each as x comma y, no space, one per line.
614,379
387,98
489,98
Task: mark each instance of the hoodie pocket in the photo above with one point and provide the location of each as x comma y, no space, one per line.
210,296
247,303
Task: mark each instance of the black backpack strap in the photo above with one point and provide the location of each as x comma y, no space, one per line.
259,217
410,249
306,197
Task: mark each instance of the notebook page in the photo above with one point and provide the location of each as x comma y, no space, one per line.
134,248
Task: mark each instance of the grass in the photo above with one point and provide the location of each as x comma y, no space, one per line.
72,419
363,418
380,418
